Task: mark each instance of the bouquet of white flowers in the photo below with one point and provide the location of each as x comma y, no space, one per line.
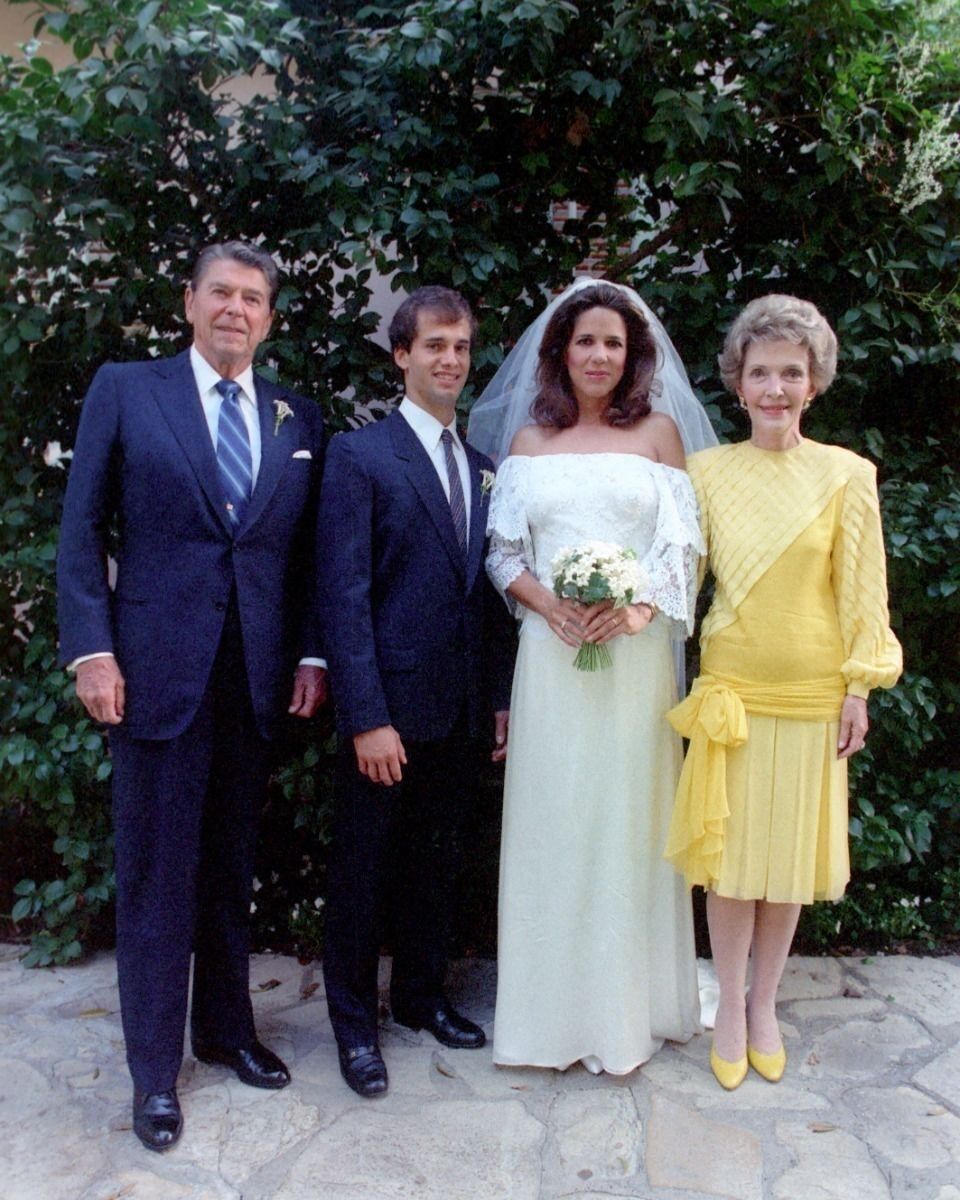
591,573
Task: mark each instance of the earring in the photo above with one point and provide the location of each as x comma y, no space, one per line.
808,402
741,401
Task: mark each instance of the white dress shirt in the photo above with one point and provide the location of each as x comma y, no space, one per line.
428,430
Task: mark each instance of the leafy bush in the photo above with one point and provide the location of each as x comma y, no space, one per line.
707,153
51,756
290,880
876,916
907,782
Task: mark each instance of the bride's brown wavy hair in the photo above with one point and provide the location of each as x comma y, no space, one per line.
555,404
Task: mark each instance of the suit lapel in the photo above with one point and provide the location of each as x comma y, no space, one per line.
277,444
478,517
423,476
176,397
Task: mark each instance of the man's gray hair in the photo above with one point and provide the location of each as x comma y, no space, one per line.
241,252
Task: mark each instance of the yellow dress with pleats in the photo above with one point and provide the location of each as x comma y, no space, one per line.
799,620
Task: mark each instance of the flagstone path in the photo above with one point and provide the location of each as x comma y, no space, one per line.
869,1108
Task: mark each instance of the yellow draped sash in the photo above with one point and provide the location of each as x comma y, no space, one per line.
714,717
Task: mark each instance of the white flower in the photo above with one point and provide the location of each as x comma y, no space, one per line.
53,455
486,481
606,569
926,159
283,410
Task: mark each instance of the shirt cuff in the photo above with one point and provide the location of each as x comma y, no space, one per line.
313,662
72,666
857,688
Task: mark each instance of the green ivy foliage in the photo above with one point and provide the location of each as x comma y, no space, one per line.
705,152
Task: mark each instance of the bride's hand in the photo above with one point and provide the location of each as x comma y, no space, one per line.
602,622
565,618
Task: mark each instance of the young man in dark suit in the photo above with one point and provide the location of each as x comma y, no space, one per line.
420,650
210,476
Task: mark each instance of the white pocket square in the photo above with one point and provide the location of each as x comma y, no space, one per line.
302,454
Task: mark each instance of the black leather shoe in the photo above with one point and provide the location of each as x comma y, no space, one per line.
363,1069
254,1064
157,1119
446,1025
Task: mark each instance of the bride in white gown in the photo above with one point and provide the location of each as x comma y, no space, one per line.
596,953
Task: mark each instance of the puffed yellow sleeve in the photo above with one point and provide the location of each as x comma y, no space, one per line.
873,657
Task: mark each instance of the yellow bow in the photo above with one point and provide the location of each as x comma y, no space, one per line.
713,718
715,709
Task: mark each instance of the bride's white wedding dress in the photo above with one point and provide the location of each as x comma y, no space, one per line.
596,952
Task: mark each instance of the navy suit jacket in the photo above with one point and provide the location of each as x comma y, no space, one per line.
413,629
145,464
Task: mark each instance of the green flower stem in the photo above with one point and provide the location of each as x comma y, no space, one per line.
592,657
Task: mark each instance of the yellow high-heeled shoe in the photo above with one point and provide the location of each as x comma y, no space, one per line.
728,1074
770,1066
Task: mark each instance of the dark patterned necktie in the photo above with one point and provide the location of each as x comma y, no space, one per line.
458,509
233,451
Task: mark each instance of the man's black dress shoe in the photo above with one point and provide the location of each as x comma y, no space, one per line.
157,1119
446,1025
363,1069
254,1064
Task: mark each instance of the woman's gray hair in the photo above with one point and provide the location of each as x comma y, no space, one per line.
777,318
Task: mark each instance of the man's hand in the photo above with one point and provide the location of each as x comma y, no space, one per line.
501,723
309,690
101,690
380,755
853,726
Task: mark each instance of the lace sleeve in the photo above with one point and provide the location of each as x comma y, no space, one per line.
511,547
505,563
670,565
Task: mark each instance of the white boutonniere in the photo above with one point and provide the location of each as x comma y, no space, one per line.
283,410
486,482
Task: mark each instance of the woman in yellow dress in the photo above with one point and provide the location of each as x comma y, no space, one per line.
795,638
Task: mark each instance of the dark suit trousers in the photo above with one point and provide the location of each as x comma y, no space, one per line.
185,815
393,861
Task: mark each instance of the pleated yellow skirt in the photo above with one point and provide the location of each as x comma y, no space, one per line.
785,839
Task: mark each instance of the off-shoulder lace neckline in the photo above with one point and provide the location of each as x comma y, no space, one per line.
596,454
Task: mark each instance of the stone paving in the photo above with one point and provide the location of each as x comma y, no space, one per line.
869,1108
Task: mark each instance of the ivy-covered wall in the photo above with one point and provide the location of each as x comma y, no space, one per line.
713,152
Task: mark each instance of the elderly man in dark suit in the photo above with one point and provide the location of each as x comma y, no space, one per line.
420,651
209,476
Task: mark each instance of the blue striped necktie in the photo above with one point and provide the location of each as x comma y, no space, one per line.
458,509
233,452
